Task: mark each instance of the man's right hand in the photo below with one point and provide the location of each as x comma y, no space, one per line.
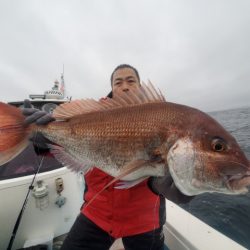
35,115
40,118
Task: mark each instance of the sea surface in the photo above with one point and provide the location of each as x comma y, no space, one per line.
226,213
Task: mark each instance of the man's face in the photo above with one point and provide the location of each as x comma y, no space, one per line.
124,80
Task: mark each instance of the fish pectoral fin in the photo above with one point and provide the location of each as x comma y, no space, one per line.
129,184
127,169
67,159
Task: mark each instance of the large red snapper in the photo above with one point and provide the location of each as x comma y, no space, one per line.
135,136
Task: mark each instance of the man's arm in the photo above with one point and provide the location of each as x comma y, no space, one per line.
165,186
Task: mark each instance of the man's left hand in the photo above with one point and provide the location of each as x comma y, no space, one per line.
165,186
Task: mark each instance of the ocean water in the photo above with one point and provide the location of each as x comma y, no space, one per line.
226,213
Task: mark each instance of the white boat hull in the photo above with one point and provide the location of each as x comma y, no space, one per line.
182,230
38,223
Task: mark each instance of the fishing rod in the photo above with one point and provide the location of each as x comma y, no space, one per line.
13,235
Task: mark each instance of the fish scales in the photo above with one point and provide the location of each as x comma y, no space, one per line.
121,134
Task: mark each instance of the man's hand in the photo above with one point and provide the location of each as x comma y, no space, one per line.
40,118
165,186
35,115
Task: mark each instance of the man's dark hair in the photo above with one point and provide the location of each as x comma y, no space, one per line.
122,66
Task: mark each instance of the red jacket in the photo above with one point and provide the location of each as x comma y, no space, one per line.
122,212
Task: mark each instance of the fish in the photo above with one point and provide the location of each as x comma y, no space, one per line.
133,136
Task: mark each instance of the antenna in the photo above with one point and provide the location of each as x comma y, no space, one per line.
63,89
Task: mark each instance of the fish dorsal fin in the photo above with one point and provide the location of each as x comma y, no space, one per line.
145,94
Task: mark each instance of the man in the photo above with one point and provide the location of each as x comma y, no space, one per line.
136,214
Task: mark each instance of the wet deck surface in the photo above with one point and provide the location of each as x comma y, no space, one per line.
117,245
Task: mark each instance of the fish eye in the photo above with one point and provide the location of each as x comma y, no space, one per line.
218,145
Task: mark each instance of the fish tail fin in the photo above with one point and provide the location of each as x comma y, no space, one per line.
14,133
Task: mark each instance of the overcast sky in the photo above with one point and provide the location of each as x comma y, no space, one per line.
196,52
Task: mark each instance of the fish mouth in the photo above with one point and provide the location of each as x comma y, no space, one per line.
235,175
239,182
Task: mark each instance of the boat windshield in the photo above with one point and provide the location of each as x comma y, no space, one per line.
27,163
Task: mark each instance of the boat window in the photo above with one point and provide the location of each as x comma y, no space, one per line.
27,163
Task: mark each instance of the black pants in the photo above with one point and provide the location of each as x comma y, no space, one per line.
85,235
